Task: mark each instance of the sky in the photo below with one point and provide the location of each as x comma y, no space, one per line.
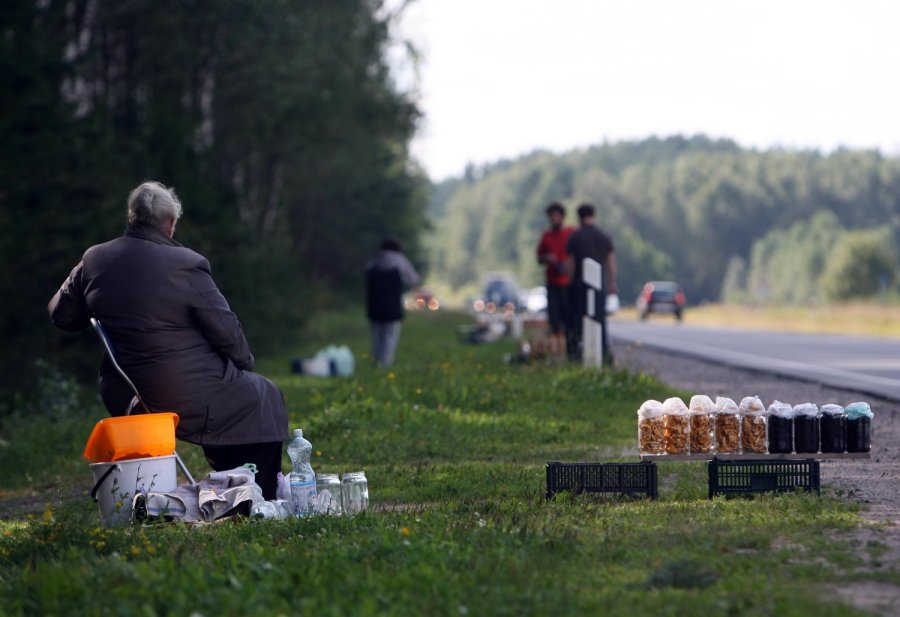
501,78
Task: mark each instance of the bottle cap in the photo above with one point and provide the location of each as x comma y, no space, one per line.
298,432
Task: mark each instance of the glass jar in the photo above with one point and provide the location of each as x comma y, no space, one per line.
859,434
781,428
753,434
676,426
703,433
354,492
833,429
328,494
753,426
806,434
651,431
859,427
728,433
702,425
781,435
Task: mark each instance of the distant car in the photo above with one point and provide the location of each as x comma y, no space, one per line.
661,297
535,299
500,295
422,299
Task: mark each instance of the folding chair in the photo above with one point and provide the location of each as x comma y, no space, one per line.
110,353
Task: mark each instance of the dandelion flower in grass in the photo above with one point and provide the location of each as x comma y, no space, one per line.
318,453
391,376
418,390
404,531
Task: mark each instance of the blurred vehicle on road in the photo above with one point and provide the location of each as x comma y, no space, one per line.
535,299
422,299
661,297
500,294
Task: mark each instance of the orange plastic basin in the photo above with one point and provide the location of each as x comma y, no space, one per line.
127,437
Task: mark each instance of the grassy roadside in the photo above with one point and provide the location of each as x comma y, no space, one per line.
865,319
453,442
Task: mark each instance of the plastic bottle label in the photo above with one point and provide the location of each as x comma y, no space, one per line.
303,494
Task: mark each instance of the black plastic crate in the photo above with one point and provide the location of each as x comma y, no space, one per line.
620,478
756,476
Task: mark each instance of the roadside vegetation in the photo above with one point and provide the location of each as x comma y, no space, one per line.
729,224
454,444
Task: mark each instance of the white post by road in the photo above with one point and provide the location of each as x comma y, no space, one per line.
591,331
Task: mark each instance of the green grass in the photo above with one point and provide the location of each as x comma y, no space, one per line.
454,444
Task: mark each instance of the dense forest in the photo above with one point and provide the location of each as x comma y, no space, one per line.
731,224
278,123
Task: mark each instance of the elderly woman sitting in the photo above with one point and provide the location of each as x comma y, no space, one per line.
176,338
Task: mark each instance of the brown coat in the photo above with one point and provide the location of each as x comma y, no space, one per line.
174,336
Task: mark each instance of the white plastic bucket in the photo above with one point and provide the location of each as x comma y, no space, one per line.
116,484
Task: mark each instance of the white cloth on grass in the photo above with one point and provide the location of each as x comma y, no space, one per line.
215,495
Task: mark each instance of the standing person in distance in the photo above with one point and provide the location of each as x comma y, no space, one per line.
388,275
551,253
589,241
176,338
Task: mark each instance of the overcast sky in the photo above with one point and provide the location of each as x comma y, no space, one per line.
500,78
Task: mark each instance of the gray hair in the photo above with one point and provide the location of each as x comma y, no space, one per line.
153,204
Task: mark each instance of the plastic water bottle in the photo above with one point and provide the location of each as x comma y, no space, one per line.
274,510
303,478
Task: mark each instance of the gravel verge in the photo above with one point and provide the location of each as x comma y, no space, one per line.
872,483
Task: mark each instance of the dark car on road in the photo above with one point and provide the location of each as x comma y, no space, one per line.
500,294
661,297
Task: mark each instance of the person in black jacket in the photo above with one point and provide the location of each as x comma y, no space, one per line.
388,275
589,241
176,338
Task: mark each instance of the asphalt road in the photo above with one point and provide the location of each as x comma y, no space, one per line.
868,365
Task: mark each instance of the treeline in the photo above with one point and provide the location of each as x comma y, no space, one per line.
278,123
728,223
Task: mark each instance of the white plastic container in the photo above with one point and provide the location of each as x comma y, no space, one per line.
116,484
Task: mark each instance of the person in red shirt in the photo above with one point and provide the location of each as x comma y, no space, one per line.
551,252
